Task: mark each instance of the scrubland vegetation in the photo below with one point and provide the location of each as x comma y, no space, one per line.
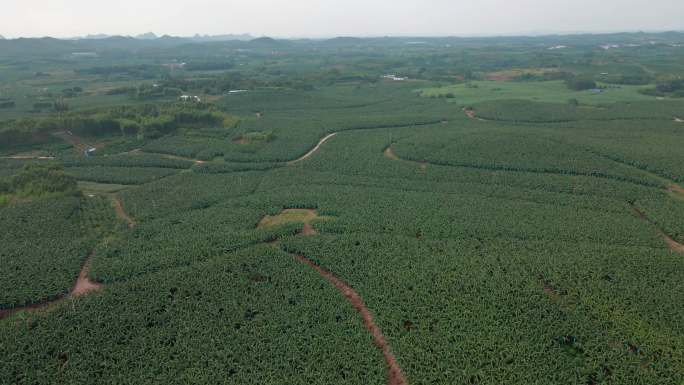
501,222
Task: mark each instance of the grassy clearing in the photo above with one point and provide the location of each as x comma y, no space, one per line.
289,216
516,72
548,91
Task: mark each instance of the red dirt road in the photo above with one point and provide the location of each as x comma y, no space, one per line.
394,373
677,189
470,113
121,213
308,230
671,243
82,286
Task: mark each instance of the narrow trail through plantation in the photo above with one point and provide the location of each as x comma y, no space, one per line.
28,157
394,374
82,286
121,212
74,140
675,189
671,243
313,150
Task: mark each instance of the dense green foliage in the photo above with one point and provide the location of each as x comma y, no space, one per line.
580,83
517,241
45,242
35,180
145,121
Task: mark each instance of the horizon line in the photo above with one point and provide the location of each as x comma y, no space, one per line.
94,36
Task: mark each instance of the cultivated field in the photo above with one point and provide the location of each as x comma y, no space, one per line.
330,226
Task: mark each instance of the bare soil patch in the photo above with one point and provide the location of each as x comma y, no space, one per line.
470,113
83,284
677,188
498,77
390,154
79,144
308,230
394,374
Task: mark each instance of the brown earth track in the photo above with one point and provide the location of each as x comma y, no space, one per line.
473,115
27,157
313,150
308,230
675,188
671,243
73,140
82,286
394,374
470,113
389,153
121,213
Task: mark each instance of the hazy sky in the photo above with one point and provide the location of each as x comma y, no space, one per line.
322,18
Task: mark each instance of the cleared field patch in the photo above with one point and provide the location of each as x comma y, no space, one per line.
513,73
254,137
546,91
293,215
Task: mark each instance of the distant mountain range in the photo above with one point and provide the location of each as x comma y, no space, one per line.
167,47
153,36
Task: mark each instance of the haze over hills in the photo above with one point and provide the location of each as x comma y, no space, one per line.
153,36
104,44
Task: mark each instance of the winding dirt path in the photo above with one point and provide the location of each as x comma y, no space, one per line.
79,144
394,374
671,243
677,188
313,150
472,114
82,286
308,230
389,153
121,212
28,157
